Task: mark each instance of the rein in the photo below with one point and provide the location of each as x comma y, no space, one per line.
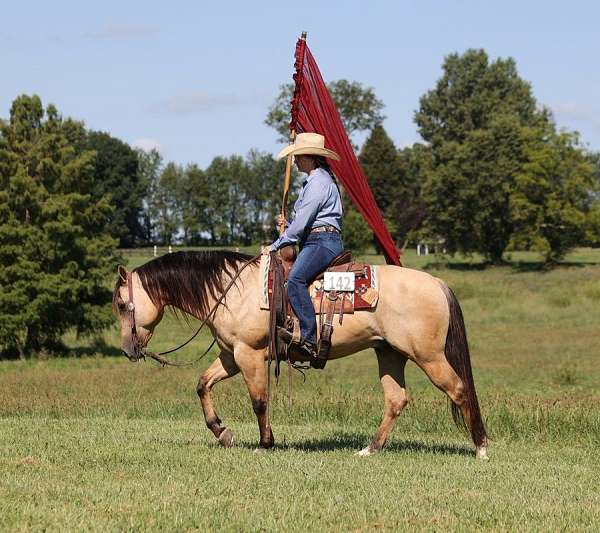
141,352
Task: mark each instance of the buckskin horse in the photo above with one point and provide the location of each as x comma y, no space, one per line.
417,317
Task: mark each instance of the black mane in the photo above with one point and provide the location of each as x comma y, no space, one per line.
185,280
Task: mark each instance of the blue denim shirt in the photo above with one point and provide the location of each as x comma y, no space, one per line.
318,204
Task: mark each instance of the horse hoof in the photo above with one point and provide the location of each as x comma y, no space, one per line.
365,452
226,438
481,453
261,450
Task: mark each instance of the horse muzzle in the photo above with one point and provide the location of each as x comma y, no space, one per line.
135,355
132,358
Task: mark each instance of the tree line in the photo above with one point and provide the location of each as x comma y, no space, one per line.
493,172
234,201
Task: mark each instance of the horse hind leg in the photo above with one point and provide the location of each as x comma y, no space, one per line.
443,376
222,368
391,375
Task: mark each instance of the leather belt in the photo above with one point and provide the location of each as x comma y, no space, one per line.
327,229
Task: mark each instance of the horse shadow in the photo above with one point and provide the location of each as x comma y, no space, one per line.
515,266
98,346
549,267
61,350
466,267
353,442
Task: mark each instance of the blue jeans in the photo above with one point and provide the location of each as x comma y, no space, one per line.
318,251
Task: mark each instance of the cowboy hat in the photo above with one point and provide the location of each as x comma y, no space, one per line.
308,144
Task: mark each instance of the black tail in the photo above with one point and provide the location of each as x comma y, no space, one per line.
457,354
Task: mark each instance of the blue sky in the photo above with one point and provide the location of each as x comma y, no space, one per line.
196,78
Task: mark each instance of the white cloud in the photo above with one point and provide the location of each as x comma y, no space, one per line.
147,145
196,102
121,32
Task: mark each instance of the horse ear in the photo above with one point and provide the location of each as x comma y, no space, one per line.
122,273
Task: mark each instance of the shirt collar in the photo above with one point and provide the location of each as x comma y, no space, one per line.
312,174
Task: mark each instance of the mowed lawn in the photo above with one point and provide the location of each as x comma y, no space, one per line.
95,442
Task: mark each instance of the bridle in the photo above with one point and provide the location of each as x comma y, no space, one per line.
140,352
130,306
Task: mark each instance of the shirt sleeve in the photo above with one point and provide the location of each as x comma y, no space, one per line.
305,215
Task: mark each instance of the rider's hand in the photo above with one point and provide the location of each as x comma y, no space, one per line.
281,221
266,250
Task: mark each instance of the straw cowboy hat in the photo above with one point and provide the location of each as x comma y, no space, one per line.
308,144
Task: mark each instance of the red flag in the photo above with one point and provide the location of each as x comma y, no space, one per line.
313,111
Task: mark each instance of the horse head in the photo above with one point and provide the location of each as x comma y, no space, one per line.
137,314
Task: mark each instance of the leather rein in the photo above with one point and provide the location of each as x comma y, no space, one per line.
140,352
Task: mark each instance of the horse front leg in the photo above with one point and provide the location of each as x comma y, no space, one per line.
252,364
222,368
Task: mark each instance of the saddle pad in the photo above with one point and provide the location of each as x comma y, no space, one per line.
365,295
263,280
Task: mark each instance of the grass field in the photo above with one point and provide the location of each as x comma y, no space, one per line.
95,442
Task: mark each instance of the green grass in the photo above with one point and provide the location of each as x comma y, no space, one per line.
99,443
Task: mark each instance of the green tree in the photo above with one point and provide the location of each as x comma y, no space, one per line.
474,124
262,192
409,210
394,177
594,159
116,174
55,252
468,194
551,199
382,166
227,208
218,178
593,225
471,93
165,204
150,165
357,234
194,204
593,222
359,108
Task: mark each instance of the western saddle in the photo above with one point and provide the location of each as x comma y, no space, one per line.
284,327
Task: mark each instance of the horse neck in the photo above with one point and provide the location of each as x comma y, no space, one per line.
231,301
239,296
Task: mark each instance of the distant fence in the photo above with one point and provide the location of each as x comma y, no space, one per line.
157,251
424,248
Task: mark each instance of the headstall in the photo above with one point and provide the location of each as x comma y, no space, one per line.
140,352
135,341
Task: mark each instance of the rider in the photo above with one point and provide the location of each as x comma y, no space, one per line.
316,228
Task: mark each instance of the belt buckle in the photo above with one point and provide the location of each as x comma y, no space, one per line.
324,229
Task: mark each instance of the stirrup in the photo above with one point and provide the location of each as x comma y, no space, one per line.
307,350
318,362
323,348
285,335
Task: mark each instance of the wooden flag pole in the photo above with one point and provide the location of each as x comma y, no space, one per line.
288,173
286,185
